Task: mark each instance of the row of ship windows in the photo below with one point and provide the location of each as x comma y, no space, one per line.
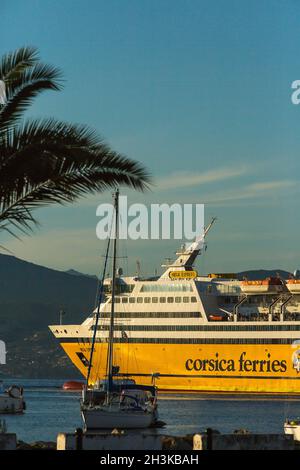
223,289
121,288
151,327
248,328
262,301
154,300
171,287
191,328
125,339
219,327
152,315
152,287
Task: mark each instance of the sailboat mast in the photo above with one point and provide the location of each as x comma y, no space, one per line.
99,298
112,315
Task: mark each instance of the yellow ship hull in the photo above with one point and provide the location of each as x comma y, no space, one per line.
245,368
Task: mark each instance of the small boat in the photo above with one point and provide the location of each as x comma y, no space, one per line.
292,426
128,407
218,317
73,386
262,286
116,404
11,400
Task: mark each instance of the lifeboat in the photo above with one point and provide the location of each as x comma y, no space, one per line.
217,317
73,386
293,286
263,286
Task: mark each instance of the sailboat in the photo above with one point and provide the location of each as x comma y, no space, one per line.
114,402
11,400
292,426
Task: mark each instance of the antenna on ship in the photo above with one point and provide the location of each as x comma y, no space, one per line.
138,268
61,314
188,254
207,229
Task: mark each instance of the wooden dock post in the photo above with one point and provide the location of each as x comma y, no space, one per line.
78,439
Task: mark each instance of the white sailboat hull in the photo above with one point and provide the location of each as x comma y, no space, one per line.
293,429
109,419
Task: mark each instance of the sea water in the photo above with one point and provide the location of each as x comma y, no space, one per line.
50,410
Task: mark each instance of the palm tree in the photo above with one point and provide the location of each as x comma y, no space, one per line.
48,161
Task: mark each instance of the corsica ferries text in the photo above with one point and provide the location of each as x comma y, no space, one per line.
243,364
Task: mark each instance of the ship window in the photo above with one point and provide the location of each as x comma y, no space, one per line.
147,300
117,300
185,300
125,300
227,289
139,300
153,315
162,300
170,287
193,299
155,300
178,300
170,300
125,288
131,300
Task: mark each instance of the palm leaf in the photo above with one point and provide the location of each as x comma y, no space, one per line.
23,96
47,162
44,162
13,63
33,74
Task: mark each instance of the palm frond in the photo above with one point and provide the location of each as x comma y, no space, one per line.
13,63
17,104
46,162
72,144
63,188
51,130
31,75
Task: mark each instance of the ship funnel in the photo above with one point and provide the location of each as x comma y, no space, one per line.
119,272
296,274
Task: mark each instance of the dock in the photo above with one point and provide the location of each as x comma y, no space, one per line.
151,441
145,441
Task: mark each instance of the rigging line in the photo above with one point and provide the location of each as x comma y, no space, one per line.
112,314
97,292
98,309
99,359
127,355
125,308
124,247
105,256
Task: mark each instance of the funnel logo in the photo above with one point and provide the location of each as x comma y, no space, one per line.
296,360
2,352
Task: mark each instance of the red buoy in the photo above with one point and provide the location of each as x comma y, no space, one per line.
73,385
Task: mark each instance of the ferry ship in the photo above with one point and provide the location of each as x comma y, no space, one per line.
211,333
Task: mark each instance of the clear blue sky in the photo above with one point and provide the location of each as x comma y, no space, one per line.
191,87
